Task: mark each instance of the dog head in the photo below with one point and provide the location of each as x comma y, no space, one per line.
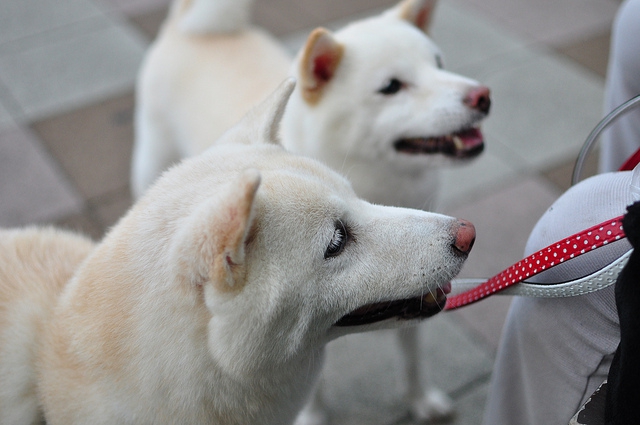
379,89
284,253
220,287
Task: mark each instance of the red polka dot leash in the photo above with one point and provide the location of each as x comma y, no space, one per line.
511,280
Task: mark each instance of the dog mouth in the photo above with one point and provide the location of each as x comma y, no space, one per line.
420,307
464,144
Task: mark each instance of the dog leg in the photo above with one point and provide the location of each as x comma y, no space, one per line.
426,404
314,412
153,152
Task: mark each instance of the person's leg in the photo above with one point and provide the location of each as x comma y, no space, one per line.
622,138
554,353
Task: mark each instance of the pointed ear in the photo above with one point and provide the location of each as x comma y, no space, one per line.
262,123
319,61
273,108
211,242
417,12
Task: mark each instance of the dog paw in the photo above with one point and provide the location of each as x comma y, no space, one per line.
434,406
311,417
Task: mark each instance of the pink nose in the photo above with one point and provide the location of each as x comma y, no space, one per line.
464,236
479,98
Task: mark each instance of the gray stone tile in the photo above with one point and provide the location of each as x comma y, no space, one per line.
466,182
80,68
562,174
329,10
149,23
363,378
554,22
10,112
283,16
5,116
486,319
134,7
544,105
83,223
22,18
109,209
464,35
467,37
592,53
470,407
93,145
294,40
32,187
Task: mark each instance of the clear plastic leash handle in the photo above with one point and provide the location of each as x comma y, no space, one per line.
595,133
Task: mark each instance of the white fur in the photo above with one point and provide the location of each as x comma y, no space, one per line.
199,79
210,302
221,16
192,88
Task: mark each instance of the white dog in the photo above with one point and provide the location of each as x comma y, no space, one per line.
210,302
374,103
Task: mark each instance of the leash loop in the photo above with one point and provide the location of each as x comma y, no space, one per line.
595,133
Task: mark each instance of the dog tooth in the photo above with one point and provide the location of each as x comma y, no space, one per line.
429,299
458,142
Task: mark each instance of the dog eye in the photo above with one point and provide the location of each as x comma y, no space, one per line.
393,87
338,241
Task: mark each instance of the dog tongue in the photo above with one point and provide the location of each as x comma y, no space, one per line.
470,138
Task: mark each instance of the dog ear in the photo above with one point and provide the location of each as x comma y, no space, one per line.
211,245
319,61
273,109
417,12
262,123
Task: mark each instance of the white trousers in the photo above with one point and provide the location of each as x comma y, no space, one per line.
555,352
622,138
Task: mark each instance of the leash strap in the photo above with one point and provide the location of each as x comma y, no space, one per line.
585,285
557,253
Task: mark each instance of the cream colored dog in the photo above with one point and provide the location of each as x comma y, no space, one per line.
210,302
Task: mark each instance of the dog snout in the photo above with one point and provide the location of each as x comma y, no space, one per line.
479,99
464,235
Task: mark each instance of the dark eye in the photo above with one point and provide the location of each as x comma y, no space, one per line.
393,87
338,241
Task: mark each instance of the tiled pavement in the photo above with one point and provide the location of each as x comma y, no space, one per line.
67,72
